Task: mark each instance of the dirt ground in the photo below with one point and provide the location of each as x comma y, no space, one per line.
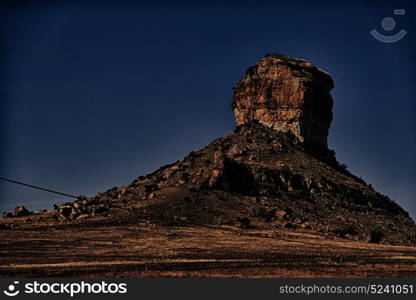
145,250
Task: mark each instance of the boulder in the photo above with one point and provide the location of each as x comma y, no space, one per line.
65,211
100,210
21,211
376,236
7,215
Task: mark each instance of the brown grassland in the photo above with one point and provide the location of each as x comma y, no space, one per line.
115,249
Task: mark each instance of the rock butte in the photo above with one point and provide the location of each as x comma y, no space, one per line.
286,94
274,171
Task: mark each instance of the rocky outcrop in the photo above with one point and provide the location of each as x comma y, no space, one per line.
19,211
286,94
264,174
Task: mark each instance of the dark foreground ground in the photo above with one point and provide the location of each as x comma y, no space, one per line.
115,249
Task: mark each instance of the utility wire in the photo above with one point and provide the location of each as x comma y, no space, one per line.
39,188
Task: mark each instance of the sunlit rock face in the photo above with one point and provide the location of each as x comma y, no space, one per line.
286,94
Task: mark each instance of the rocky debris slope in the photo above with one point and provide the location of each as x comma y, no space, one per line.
286,94
265,177
257,177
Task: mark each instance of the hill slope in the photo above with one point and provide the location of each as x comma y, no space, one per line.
259,177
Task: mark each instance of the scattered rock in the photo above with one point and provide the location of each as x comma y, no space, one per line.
306,226
244,223
100,210
150,188
21,211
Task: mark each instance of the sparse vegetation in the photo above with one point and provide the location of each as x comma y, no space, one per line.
141,249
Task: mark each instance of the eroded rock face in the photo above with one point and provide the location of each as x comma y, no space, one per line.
286,94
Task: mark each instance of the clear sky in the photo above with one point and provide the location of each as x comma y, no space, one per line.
96,93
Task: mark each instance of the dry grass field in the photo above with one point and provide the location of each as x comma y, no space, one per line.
144,250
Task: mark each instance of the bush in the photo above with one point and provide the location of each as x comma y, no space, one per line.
343,166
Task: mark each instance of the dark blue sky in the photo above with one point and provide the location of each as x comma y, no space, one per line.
96,93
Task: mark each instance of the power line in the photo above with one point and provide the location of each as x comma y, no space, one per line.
39,188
